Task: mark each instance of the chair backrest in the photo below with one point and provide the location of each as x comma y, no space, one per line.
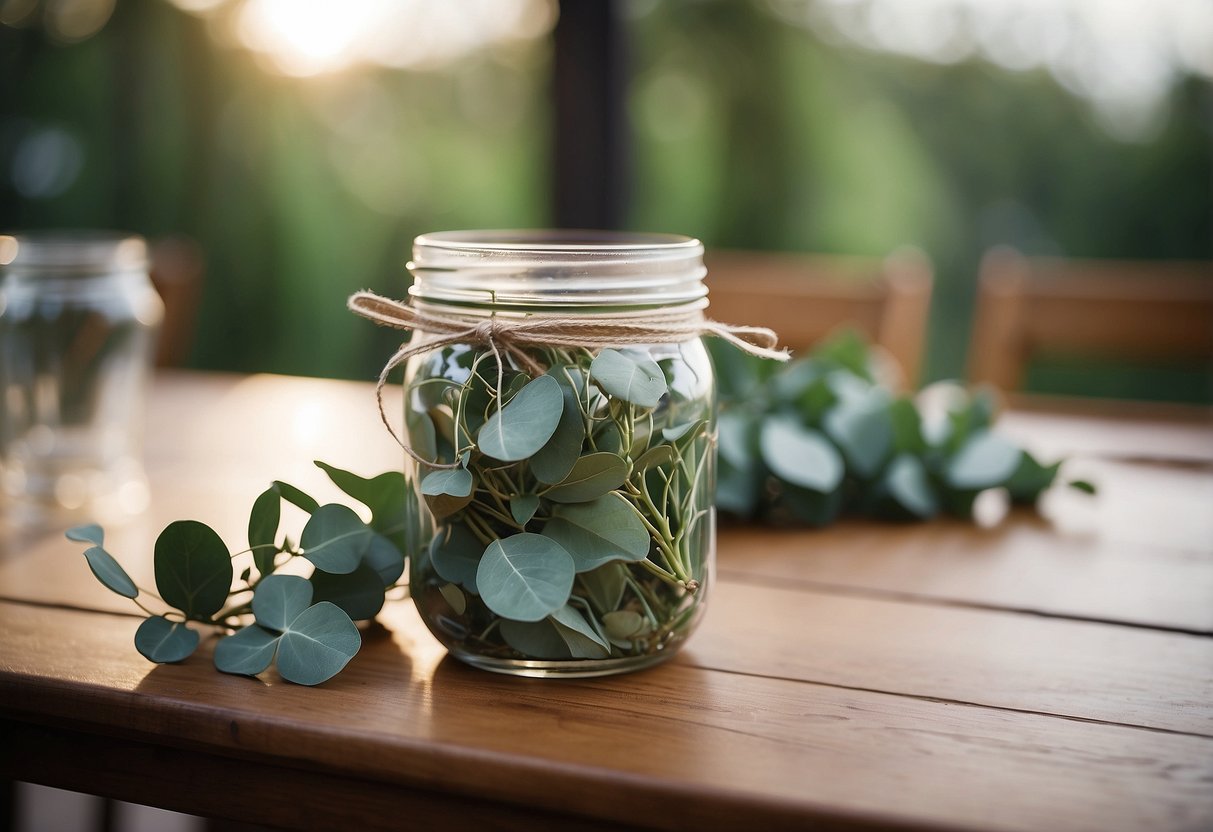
1115,309
805,298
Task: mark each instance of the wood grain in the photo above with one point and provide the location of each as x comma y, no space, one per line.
725,749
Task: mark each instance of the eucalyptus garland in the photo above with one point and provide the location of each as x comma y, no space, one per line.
808,441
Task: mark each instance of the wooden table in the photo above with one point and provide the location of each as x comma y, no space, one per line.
1026,673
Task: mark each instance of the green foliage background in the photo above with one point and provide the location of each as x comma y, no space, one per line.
748,133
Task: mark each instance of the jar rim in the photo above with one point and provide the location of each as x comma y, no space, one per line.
538,269
73,251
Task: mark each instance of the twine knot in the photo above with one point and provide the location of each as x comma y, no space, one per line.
511,335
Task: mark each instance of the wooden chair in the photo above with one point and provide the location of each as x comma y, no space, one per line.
178,268
1031,307
806,297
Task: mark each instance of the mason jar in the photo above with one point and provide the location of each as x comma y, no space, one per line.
566,489
78,322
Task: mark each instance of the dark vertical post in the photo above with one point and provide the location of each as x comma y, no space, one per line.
591,133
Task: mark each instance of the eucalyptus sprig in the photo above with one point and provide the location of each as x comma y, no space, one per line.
303,626
808,441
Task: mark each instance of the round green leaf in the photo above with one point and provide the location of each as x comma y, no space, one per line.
454,596
864,431
193,568
525,425
525,576
279,599
523,508
91,533
907,483
457,482
359,593
317,645
109,572
263,528
160,640
593,475
455,553
598,532
986,460
552,463
633,377
385,559
246,652
335,539
535,639
386,495
800,455
623,625
605,585
654,456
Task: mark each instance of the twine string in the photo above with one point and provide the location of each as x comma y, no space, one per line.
508,337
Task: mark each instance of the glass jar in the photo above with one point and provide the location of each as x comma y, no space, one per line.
78,320
572,532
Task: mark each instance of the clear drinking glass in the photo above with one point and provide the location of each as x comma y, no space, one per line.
634,512
78,322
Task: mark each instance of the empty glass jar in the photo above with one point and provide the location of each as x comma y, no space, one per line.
567,514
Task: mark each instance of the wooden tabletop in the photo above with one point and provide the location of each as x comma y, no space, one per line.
1027,672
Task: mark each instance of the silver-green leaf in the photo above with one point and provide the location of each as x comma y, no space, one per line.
91,533
109,572
523,426
800,455
986,460
592,476
335,539
246,652
525,577
317,645
633,377
279,599
598,532
160,640
457,482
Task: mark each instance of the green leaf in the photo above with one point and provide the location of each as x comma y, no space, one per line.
676,432
420,433
535,639
317,645
1031,479
799,455
109,572
907,484
454,597
91,533
738,437
654,456
444,505
1084,486
592,476
600,531
263,528
986,460
624,625
907,427
246,652
296,497
386,495
455,553
738,374
193,568
552,463
160,640
863,430
279,599
849,350
457,482
581,639
358,593
633,377
525,425
525,577
523,508
335,539
385,559
605,585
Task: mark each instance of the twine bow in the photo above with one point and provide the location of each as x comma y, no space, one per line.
512,335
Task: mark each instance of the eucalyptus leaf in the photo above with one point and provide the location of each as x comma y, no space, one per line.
454,597
335,539
443,506
420,434
673,434
317,645
864,432
535,639
523,508
246,652
800,455
386,495
296,497
599,531
90,533
384,558
263,528
552,463
455,553
109,572
1083,485
162,641
193,568
984,461
605,585
582,640
623,625
654,456
592,476
907,483
279,599
457,482
1030,479
633,377
814,508
525,577
359,593
523,426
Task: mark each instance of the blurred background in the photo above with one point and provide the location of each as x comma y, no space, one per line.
302,145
